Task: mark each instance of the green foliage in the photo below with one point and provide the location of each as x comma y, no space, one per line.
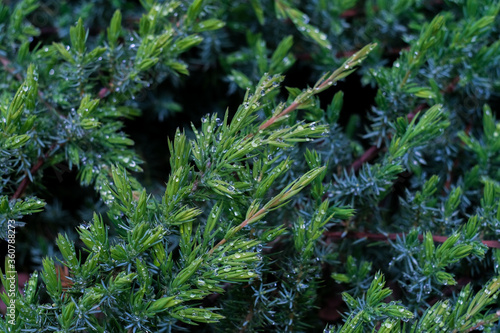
276,200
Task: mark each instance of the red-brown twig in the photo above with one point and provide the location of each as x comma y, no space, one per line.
6,65
349,13
26,181
271,120
480,323
367,156
248,318
373,151
241,226
41,160
452,86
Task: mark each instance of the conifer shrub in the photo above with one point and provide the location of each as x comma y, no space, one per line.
250,166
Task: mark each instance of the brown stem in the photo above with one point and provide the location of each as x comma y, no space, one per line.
345,54
41,160
407,76
247,319
50,106
241,226
373,151
348,53
273,119
415,111
481,323
349,13
367,156
6,65
452,86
